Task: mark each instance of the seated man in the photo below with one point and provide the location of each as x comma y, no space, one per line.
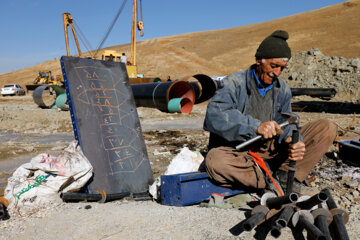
251,103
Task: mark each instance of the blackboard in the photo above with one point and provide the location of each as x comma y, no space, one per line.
106,124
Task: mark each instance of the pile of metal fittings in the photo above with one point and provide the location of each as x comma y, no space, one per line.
318,215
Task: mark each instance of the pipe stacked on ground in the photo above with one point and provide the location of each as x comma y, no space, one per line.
177,96
304,212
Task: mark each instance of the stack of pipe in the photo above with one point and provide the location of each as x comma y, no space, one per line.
177,96
301,213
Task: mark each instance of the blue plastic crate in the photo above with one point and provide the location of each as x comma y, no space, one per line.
190,188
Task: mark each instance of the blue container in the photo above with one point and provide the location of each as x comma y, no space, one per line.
190,188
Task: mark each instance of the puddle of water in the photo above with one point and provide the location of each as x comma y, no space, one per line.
46,143
35,138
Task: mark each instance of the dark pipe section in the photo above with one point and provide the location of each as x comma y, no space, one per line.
158,94
314,92
285,216
311,202
277,202
321,222
275,231
311,229
205,87
338,224
2,211
253,221
74,197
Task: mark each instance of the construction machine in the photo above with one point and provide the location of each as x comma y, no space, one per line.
111,55
45,77
68,21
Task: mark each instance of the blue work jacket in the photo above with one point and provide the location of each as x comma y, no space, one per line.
227,117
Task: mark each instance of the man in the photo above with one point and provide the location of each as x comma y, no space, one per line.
251,103
123,58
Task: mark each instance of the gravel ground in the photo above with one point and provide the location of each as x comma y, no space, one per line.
22,122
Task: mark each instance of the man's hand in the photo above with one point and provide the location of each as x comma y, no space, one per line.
268,129
296,150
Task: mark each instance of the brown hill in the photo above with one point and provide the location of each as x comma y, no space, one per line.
334,30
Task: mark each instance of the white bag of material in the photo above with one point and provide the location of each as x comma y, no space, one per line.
183,162
43,179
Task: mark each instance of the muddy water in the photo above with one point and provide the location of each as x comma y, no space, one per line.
16,149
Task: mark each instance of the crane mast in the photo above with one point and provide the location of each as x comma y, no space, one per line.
133,34
68,21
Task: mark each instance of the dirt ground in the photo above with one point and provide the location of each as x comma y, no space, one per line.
27,130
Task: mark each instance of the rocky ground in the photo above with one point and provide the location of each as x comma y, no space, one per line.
27,130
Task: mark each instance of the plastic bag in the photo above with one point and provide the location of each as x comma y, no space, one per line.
45,177
185,161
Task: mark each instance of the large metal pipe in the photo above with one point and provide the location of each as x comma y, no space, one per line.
45,96
158,94
204,86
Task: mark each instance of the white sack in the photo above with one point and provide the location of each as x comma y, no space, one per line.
183,162
45,177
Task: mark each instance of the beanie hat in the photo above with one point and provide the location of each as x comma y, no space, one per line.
274,46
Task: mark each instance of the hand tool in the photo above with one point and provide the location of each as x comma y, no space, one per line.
292,165
292,119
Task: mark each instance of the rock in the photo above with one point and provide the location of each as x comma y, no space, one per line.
313,69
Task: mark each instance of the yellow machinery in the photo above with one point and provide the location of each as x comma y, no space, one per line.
45,77
111,55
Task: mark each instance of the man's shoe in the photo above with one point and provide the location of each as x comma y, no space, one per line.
298,187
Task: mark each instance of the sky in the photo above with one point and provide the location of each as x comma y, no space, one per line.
31,31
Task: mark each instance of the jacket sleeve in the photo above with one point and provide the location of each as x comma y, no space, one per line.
224,118
285,104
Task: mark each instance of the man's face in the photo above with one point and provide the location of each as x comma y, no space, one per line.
267,70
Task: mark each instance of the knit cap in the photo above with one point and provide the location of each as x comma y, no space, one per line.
274,46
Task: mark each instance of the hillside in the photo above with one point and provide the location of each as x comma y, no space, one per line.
333,30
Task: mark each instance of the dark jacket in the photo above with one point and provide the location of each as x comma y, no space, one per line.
227,117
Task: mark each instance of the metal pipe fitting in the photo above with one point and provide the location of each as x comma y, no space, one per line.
277,202
258,216
312,201
322,220
70,197
339,218
304,219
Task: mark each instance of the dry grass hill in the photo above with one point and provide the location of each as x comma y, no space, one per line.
334,30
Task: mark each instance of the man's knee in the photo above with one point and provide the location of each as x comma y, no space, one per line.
327,128
213,158
322,128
